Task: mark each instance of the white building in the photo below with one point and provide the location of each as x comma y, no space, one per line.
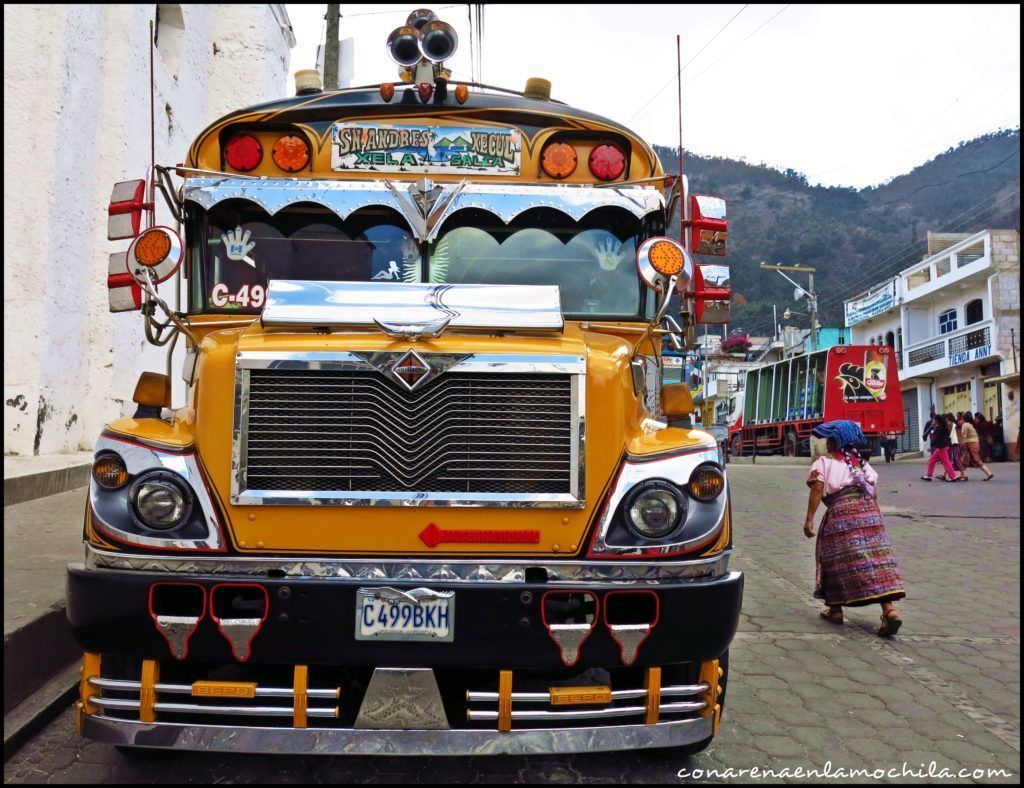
954,320
77,120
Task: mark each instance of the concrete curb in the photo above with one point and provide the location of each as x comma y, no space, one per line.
28,487
36,652
35,712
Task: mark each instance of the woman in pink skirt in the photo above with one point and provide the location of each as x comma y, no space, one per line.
855,565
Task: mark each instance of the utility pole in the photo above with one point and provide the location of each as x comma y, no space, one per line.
812,299
331,47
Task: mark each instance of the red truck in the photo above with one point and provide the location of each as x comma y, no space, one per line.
784,401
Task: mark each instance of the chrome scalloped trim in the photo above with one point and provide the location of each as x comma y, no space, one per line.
137,459
677,469
457,571
482,363
506,201
177,630
340,741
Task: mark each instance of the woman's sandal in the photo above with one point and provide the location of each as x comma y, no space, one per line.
832,617
891,623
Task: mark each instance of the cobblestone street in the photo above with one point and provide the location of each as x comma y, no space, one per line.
802,692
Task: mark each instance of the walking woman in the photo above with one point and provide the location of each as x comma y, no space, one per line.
970,449
855,565
939,433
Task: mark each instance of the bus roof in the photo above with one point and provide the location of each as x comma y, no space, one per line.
536,119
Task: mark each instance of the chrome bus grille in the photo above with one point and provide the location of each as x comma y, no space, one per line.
356,435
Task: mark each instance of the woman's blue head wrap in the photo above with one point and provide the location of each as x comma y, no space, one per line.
845,433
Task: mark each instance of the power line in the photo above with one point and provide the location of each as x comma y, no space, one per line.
673,78
691,81
874,272
964,93
949,180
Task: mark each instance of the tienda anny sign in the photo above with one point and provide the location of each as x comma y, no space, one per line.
458,150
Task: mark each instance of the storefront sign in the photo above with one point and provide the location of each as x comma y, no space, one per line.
955,359
870,305
457,150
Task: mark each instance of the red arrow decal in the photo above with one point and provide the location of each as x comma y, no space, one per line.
432,536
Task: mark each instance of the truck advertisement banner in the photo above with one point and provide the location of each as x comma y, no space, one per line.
456,150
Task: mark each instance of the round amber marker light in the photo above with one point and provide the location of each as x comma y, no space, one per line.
152,248
666,258
109,472
558,160
291,153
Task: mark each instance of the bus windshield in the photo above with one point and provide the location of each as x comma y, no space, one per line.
240,248
591,261
236,248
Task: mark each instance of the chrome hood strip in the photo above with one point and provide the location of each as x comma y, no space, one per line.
294,302
390,570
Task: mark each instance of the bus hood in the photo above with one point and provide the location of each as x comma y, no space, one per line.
612,410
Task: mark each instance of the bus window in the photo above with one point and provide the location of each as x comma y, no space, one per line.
816,385
779,391
750,398
796,387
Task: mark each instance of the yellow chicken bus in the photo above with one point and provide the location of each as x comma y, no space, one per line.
426,493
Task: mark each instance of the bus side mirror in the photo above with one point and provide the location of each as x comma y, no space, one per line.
124,214
123,292
708,225
712,293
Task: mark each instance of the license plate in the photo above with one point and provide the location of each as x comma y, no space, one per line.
414,614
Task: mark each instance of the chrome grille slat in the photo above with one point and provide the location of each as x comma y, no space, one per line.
336,431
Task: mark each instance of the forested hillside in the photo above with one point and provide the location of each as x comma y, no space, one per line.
853,237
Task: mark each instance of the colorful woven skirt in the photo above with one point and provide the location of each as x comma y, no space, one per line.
855,562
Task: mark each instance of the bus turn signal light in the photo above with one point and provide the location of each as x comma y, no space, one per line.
707,483
291,153
666,258
558,160
152,247
109,472
244,152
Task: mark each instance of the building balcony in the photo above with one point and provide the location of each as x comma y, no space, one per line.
962,264
973,344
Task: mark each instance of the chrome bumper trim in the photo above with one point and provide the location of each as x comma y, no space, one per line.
387,570
629,694
339,741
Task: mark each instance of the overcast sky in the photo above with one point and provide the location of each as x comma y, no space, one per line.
848,95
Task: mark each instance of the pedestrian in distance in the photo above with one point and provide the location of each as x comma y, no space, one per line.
939,434
981,424
954,449
970,449
854,562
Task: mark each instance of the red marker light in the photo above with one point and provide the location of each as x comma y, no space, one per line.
607,162
244,152
426,90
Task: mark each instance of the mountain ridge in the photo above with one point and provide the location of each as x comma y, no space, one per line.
853,237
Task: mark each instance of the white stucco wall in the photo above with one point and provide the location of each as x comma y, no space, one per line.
76,120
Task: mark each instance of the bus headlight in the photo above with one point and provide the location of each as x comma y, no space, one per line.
654,509
160,501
